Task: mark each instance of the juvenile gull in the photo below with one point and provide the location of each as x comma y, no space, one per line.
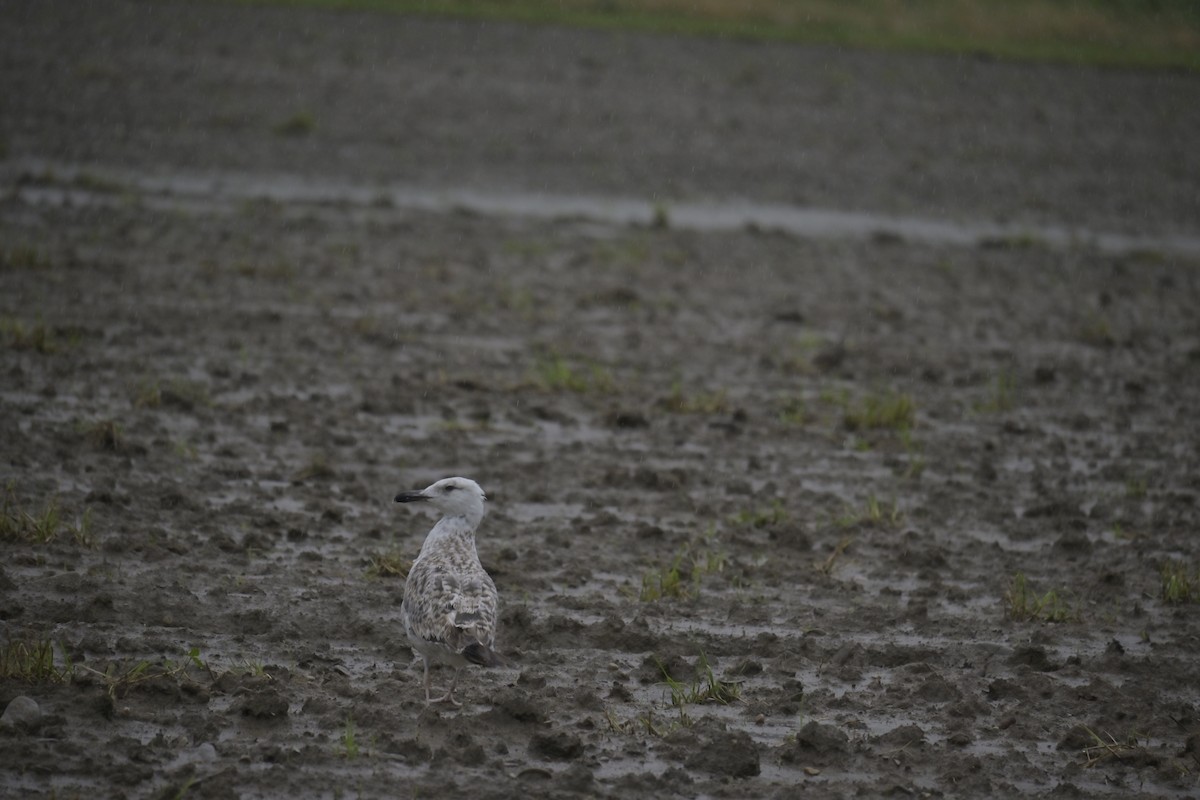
450,601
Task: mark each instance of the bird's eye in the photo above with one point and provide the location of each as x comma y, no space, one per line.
450,488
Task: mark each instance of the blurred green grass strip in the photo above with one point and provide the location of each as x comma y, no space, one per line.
1126,33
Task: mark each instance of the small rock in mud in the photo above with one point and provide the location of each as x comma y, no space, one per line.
531,679
960,739
746,666
21,712
830,357
1073,543
631,637
556,745
410,750
817,743
587,699
903,736
850,653
673,665
1077,738
937,689
264,704
1033,657
620,693
625,420
1052,509
517,705
462,749
710,747
576,778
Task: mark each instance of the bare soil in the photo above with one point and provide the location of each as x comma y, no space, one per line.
230,393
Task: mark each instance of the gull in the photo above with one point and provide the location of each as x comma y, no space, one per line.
450,601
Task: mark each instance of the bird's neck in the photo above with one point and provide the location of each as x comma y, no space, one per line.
453,527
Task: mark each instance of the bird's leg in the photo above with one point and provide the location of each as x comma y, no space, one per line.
426,662
448,697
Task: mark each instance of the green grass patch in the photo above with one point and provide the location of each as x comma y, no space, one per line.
32,661
41,527
302,123
120,680
872,512
793,411
554,373
1000,398
830,563
655,725
1022,603
915,464
318,468
23,256
1180,582
705,687
349,740
704,402
1104,749
1096,330
680,578
389,564
881,411
104,434
1128,33
38,337
763,517
175,393
1136,487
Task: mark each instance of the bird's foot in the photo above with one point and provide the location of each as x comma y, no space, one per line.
448,699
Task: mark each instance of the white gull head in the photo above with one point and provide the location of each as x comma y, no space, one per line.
454,497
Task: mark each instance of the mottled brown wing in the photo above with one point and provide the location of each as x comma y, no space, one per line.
453,608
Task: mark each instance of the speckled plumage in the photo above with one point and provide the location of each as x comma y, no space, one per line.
450,602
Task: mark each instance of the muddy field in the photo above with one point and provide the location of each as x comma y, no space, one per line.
761,505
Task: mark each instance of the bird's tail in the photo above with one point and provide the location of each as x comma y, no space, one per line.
485,656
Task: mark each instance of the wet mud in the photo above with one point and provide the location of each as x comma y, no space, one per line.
768,513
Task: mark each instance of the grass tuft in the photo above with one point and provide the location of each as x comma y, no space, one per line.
793,411
681,578
762,518
19,525
1136,488
648,723
177,393
827,566
390,564
349,740
37,337
885,410
873,512
23,257
120,681
714,402
318,468
1022,603
1105,749
104,435
705,687
1180,583
32,661
302,123
1001,397
555,374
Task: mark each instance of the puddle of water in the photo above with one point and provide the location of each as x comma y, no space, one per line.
726,215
